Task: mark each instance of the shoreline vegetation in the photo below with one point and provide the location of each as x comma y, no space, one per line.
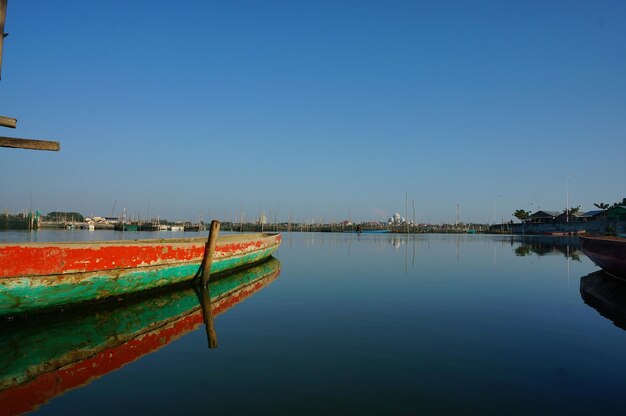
33,221
72,220
24,224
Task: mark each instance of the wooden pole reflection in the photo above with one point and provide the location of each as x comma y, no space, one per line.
204,296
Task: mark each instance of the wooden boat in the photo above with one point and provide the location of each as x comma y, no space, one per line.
85,344
368,232
565,233
125,226
148,227
607,252
37,276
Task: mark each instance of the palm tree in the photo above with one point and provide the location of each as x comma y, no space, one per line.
571,211
603,207
521,214
618,204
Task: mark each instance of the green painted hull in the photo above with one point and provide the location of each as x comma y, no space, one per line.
28,294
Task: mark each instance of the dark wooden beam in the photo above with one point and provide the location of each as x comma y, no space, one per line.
8,122
3,13
29,144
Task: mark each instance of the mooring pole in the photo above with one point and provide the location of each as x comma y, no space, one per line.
209,249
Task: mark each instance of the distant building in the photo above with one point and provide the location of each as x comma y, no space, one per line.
592,215
541,217
574,216
615,213
396,220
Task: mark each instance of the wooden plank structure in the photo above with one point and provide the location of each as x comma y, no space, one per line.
29,144
11,122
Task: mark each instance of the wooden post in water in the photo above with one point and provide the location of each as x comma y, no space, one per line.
205,294
209,249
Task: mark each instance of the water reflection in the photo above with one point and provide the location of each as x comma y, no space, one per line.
523,245
414,248
568,247
43,357
607,295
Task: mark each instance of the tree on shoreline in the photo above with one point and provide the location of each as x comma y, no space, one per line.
603,207
572,210
521,214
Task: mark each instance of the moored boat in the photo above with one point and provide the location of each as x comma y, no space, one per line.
125,226
608,252
146,226
565,233
357,231
37,276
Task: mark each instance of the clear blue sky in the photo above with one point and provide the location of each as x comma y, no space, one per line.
316,108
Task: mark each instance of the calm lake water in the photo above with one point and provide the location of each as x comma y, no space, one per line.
341,324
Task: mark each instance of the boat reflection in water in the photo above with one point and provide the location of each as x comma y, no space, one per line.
607,295
48,355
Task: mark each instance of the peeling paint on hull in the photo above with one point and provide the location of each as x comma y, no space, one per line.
85,346
40,276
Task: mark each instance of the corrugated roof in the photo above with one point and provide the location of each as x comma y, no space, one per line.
545,214
592,213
